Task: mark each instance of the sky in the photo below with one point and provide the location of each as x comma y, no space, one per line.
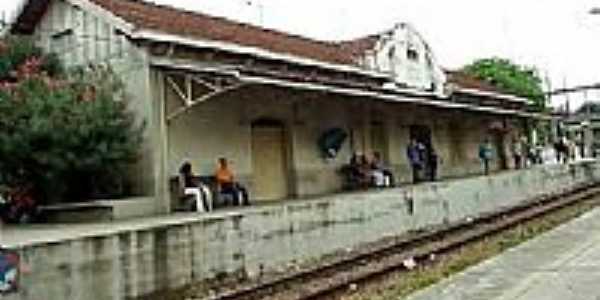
559,37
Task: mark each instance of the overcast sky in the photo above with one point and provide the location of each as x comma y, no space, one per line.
559,37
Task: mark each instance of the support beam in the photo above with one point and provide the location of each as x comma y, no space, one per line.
185,98
162,195
187,92
202,99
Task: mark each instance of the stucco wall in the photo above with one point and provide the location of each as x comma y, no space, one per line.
133,259
222,127
82,38
390,55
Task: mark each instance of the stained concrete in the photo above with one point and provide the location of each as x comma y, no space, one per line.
136,257
559,265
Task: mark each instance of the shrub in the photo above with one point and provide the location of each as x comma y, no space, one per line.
71,138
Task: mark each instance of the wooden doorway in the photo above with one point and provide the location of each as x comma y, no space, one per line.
421,134
379,141
269,167
498,141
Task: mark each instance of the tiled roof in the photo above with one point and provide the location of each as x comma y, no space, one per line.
466,81
145,15
166,19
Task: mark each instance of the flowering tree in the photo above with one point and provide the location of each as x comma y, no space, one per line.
67,134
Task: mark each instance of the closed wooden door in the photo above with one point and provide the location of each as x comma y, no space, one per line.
500,151
379,140
268,163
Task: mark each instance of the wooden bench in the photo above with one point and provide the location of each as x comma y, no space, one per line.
187,203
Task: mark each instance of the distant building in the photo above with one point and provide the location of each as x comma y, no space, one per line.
210,87
583,127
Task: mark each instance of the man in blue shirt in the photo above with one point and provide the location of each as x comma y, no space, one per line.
414,153
485,155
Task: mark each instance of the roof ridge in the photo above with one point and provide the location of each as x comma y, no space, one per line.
225,19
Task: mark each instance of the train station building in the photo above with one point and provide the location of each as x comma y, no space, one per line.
208,87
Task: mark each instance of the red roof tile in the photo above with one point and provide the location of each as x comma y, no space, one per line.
196,25
466,81
166,19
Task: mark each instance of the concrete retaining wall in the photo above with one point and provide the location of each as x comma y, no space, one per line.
119,263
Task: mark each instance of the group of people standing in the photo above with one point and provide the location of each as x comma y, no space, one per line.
564,150
522,152
423,161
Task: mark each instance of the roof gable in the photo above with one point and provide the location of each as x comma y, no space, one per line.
138,15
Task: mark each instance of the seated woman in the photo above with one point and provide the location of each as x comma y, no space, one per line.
227,184
364,171
200,192
381,176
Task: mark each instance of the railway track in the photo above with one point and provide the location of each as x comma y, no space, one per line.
320,282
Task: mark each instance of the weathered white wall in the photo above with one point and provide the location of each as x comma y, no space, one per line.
80,36
222,127
83,38
129,261
391,56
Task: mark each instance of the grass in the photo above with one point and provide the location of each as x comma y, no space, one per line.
400,285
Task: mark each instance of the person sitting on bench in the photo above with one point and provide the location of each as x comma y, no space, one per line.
227,184
363,171
381,176
200,192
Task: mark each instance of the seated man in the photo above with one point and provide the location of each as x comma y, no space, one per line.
227,185
201,193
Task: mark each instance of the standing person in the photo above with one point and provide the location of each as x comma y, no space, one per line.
528,154
432,163
557,151
413,153
564,150
201,193
227,184
572,150
517,152
485,155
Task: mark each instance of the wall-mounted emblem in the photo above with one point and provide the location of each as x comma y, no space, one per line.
331,141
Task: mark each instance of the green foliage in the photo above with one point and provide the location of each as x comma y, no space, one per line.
522,81
16,50
72,139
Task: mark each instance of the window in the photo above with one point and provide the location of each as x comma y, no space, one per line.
392,53
596,134
60,41
412,54
429,62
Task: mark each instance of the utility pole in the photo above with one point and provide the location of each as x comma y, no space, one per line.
258,4
568,104
4,26
3,22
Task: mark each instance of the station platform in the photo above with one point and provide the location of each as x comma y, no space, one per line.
136,257
563,264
